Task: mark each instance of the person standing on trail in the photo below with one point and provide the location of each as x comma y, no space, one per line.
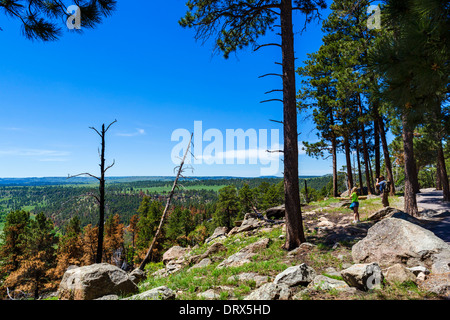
381,184
355,204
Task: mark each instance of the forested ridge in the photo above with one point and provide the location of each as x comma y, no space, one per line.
61,220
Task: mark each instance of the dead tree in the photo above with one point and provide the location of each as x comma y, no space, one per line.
148,256
101,197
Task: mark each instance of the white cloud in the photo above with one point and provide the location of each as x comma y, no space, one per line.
44,155
33,153
139,132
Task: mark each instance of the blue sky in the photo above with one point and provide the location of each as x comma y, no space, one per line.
141,68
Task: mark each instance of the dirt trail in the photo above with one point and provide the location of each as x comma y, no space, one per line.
437,212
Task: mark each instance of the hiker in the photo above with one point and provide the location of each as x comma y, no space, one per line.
355,204
381,184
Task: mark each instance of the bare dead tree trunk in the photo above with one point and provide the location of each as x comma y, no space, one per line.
148,256
294,226
101,197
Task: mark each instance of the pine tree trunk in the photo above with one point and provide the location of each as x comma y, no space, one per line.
443,173
349,164
377,148
358,159
387,159
335,176
365,150
294,226
438,174
410,168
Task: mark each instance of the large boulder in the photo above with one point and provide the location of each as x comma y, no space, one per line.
363,276
276,212
382,213
296,275
219,233
250,222
393,240
95,281
175,254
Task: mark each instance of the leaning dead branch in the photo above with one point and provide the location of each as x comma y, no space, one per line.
148,256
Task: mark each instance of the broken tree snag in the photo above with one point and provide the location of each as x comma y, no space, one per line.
148,256
101,198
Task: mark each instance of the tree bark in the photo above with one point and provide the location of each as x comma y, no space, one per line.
410,168
443,173
377,148
438,174
294,226
335,176
365,149
387,159
358,159
348,163
101,222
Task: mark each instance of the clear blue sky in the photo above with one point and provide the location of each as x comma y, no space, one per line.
141,68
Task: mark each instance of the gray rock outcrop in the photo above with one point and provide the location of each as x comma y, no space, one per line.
95,281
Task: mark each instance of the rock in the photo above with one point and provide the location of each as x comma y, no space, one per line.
393,240
95,281
330,271
382,213
276,213
218,234
245,254
270,291
159,293
250,276
438,284
325,223
325,283
257,246
249,223
109,297
175,253
204,263
210,294
399,273
441,262
137,275
363,276
214,248
305,247
296,275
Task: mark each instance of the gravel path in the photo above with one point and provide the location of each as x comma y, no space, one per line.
438,212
